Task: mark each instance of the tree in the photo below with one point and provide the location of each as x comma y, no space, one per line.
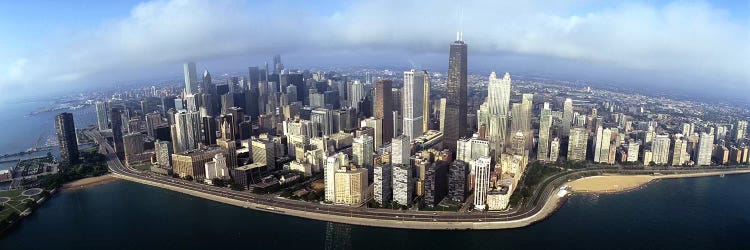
236,187
218,182
189,178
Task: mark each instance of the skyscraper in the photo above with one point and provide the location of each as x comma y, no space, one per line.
362,153
400,150
426,102
186,131
403,184
413,109
545,123
527,101
115,118
455,111
567,119
384,108
101,116
498,101
554,149
383,186
680,155
660,149
191,78
577,144
705,148
66,136
740,131
481,170
601,145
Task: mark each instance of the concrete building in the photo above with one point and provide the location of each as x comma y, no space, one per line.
577,144
545,125
351,186
633,150
705,149
660,149
680,155
470,149
362,154
458,172
163,152
186,131
435,183
133,147
383,184
567,119
102,116
217,168
192,163
481,170
264,152
400,150
554,149
403,184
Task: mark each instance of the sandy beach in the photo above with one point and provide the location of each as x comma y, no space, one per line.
622,183
87,182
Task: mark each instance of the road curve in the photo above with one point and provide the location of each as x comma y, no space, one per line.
543,202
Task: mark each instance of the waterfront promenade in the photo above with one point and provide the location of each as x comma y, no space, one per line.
543,202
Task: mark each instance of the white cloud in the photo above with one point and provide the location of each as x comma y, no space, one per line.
687,38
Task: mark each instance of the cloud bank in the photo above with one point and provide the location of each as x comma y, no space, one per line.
689,39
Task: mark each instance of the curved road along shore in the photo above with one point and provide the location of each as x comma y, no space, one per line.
543,202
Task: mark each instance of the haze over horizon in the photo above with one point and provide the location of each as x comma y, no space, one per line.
691,46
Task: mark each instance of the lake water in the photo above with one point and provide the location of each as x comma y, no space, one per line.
698,213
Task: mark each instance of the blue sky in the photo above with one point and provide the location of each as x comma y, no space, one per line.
685,44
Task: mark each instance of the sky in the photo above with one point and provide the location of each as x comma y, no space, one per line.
700,47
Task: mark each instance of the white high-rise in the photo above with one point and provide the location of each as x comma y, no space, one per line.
545,124
602,144
567,119
660,149
481,170
362,152
102,116
705,148
191,78
186,131
413,97
400,150
498,101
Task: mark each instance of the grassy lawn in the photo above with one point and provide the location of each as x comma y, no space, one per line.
15,202
143,167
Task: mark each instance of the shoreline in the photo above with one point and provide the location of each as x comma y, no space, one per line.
613,184
552,203
88,182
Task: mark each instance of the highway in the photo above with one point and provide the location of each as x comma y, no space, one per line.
345,214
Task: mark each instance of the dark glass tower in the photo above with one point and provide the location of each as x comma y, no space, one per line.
115,118
455,110
66,135
384,108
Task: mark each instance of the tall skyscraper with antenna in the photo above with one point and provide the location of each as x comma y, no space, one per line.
455,110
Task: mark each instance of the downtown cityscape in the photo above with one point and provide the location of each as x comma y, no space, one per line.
315,149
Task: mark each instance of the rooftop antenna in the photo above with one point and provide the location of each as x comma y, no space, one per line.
461,24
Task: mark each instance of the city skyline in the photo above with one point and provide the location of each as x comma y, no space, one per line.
643,60
467,145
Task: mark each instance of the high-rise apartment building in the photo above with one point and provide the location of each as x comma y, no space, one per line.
545,125
481,170
705,149
66,136
577,144
660,149
102,118
567,119
382,183
403,184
